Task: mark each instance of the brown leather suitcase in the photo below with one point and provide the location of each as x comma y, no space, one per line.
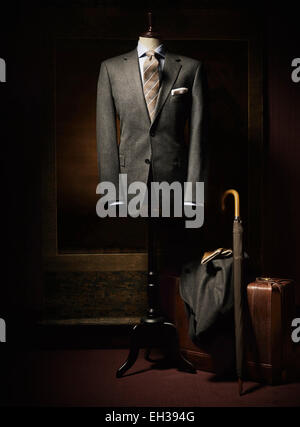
270,352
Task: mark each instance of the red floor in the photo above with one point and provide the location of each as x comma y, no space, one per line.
87,378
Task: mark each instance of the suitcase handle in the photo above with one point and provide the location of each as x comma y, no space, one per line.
270,279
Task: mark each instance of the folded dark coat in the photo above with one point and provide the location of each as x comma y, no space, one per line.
207,290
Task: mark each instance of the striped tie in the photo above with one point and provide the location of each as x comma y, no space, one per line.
151,81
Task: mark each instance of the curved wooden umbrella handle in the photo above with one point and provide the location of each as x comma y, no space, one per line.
236,202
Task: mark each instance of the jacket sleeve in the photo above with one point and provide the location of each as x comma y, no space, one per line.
197,143
107,145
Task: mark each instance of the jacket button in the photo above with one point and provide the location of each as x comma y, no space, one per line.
152,133
147,161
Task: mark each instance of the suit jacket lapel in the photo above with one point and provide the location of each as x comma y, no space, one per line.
170,72
132,70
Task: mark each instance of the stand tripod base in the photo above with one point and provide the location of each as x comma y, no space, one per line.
156,331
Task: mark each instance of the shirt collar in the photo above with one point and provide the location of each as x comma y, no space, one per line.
141,49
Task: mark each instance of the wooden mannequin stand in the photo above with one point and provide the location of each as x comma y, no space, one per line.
153,329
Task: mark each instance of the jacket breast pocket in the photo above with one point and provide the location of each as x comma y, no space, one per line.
179,98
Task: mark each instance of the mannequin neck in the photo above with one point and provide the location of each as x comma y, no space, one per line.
149,42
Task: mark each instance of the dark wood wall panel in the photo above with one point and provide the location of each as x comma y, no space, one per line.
281,225
86,295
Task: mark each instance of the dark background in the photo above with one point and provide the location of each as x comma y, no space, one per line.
24,124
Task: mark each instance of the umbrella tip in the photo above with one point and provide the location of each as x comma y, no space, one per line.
240,385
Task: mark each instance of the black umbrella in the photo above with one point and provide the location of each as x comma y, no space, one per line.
237,283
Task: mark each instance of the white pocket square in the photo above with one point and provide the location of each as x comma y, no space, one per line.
179,91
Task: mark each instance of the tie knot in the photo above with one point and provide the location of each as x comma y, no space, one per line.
150,54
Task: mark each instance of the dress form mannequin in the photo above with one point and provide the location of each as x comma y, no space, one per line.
150,39
154,329
150,42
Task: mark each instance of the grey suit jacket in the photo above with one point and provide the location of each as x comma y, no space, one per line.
160,143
